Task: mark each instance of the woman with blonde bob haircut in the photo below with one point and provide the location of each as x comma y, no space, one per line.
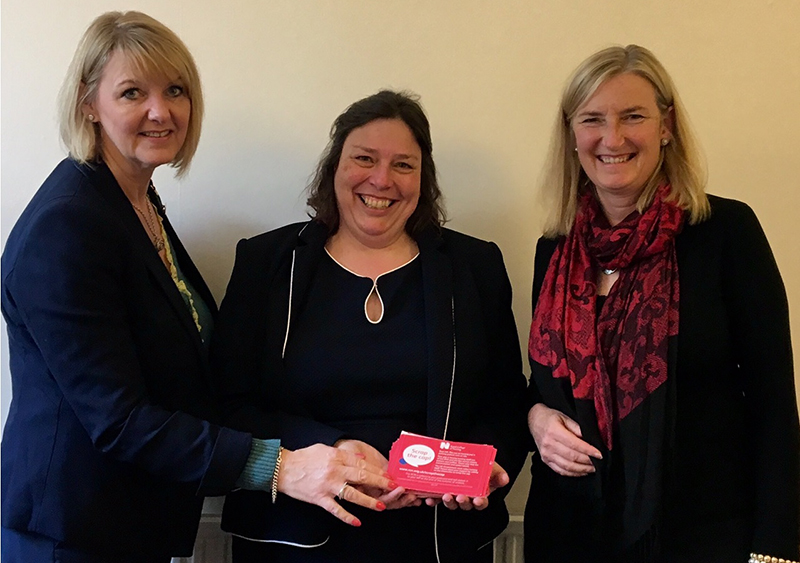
111,441
152,49
680,159
662,397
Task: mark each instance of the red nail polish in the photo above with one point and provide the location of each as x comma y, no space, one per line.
380,506
393,485
356,522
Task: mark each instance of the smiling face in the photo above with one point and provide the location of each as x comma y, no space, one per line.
618,133
377,182
143,118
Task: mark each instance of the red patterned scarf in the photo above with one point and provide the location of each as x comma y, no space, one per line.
619,358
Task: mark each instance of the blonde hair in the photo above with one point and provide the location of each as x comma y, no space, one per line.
680,162
153,49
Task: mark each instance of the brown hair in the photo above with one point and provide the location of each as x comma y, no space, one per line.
386,104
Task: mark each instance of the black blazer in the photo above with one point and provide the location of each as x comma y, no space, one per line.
465,285
106,446
732,477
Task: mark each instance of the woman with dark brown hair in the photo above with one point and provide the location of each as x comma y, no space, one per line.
369,320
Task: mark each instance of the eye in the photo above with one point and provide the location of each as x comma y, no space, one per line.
131,94
405,166
590,121
175,90
365,158
634,117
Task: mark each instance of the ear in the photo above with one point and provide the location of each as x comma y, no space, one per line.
668,123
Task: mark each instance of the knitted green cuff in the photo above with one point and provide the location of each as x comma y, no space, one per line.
260,466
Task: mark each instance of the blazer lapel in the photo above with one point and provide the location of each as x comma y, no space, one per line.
171,291
437,280
102,178
308,251
187,265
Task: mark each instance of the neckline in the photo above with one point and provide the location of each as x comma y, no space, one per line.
375,281
374,289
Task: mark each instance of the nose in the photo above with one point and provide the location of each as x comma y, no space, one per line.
381,176
158,109
612,135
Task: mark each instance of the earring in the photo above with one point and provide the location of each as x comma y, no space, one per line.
664,142
576,149
90,117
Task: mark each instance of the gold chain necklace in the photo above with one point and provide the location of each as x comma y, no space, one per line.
150,223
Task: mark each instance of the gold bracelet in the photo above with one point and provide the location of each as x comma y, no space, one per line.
758,558
275,476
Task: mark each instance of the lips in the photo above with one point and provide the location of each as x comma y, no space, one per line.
375,202
155,134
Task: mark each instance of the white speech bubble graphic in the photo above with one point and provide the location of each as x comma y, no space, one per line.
418,454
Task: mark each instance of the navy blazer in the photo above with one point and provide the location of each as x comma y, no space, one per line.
469,322
733,472
107,445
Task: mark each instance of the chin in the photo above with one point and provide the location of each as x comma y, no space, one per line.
155,162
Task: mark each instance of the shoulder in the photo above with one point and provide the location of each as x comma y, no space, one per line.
726,213
66,211
725,209
545,248
259,257
730,223
67,185
460,245
286,238
471,258
276,235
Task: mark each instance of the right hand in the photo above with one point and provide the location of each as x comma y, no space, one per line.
558,439
316,474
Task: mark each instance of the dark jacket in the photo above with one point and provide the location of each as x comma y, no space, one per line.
733,466
106,446
465,285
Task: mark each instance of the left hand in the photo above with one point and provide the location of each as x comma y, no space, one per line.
498,478
398,498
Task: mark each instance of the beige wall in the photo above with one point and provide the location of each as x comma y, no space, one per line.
277,72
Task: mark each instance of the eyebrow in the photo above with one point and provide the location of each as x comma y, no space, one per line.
373,151
135,82
600,113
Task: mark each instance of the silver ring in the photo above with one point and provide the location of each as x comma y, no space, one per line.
339,494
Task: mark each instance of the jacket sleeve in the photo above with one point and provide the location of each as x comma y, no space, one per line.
759,317
502,421
67,288
246,351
